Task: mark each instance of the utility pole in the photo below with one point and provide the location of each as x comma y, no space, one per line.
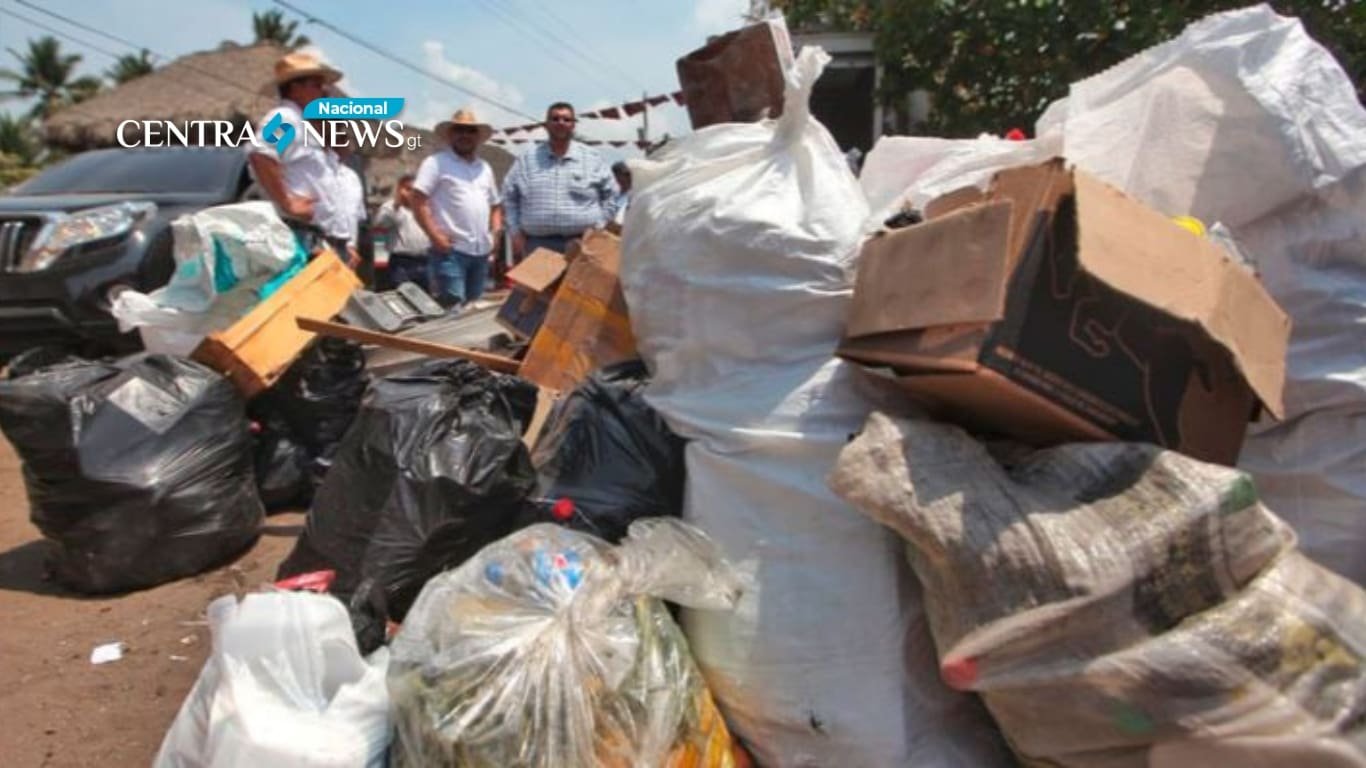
645,114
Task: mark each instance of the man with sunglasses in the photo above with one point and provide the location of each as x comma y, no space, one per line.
304,181
557,190
455,200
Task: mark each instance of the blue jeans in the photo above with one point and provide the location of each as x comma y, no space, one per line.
458,277
407,268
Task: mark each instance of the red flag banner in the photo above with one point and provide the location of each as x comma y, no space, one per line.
634,108
655,101
678,98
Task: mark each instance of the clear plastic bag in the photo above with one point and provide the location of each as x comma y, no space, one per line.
285,685
552,649
1116,604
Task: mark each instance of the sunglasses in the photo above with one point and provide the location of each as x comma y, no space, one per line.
465,129
569,120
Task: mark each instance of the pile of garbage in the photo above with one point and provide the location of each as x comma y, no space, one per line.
1044,451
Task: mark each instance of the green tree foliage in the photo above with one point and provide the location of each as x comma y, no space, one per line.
18,140
47,73
271,27
990,65
129,67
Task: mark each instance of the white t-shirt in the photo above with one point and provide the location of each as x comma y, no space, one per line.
351,208
460,194
406,237
309,170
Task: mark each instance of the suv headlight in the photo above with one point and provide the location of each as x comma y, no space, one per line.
70,230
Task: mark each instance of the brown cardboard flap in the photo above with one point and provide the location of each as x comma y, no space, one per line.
948,271
539,270
987,401
942,348
602,248
1138,251
1036,191
952,201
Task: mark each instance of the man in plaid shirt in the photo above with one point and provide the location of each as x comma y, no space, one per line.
557,190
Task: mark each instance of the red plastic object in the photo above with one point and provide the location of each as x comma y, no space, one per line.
313,581
562,509
1015,134
959,674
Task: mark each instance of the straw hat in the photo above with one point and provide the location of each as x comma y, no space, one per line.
297,64
464,117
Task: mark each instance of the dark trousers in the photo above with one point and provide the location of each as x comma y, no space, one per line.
410,268
557,243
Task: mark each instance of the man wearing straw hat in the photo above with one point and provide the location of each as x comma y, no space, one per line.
456,203
303,181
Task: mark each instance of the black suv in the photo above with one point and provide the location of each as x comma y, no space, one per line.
93,225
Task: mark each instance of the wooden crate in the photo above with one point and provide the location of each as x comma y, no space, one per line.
257,349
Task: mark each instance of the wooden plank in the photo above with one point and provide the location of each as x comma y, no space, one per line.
431,349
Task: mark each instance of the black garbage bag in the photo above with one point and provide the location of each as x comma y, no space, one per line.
432,469
35,359
139,469
606,458
303,418
282,469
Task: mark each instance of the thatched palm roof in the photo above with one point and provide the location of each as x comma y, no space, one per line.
230,83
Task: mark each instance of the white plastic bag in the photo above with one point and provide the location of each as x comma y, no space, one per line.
550,649
1119,605
737,264
223,255
285,685
1242,120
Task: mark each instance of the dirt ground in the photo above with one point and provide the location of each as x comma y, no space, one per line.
56,708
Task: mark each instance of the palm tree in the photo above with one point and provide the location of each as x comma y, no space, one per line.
271,27
17,139
46,73
129,67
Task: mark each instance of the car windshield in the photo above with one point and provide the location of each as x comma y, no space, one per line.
138,171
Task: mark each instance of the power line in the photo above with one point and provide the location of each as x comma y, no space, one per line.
88,28
626,76
550,47
186,65
61,34
375,49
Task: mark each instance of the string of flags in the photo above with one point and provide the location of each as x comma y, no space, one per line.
590,142
629,109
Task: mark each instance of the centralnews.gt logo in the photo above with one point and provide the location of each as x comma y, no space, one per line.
366,123
279,133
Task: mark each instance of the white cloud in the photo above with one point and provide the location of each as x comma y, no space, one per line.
713,17
436,108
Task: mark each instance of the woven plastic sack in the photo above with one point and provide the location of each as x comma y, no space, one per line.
551,649
737,264
1117,604
285,685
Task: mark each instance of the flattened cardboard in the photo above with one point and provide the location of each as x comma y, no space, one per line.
1117,323
587,325
533,282
960,273
541,269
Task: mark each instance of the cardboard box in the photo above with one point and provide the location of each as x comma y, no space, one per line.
587,325
256,350
533,283
737,77
1054,308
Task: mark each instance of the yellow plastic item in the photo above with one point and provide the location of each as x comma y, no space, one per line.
1190,223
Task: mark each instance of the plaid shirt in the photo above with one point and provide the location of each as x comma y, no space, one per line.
548,195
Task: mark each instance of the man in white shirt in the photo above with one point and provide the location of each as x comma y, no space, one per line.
303,180
409,246
457,204
350,197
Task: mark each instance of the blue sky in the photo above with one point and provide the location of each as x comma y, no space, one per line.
607,52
